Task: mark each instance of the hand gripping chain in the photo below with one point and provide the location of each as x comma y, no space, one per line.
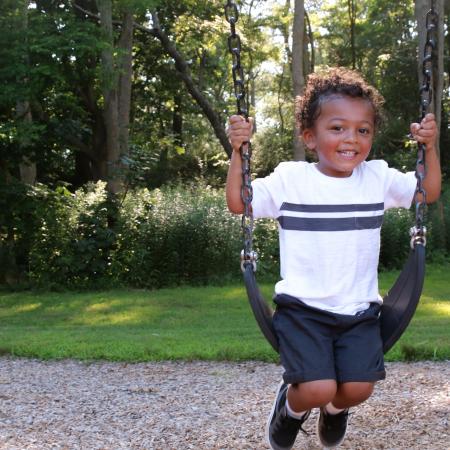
248,256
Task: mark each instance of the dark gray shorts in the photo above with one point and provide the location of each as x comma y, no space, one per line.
320,345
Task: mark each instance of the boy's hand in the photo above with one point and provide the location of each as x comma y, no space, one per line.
426,131
239,131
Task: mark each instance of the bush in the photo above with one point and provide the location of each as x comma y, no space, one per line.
150,239
395,233
177,236
73,245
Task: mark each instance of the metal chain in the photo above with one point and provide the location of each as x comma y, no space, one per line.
248,256
418,232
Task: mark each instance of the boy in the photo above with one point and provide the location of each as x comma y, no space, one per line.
329,215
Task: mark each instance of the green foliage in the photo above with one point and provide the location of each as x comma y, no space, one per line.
151,239
73,244
157,238
271,147
395,233
176,236
395,238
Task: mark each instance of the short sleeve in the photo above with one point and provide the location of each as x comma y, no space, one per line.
267,193
400,188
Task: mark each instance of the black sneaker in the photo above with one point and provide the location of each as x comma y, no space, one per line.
331,428
282,429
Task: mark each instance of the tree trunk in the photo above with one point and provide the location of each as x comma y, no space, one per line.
310,58
111,163
125,80
177,120
352,18
27,168
298,79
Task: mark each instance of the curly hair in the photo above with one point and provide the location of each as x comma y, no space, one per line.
334,82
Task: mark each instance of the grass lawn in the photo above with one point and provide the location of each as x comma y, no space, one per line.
183,323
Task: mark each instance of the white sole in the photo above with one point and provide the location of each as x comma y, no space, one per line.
271,414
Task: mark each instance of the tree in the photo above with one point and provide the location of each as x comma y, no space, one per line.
352,19
27,167
298,77
116,89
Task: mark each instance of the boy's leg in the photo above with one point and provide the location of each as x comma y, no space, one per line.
306,351
282,428
332,424
359,364
291,408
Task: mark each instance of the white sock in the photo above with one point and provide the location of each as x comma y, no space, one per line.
331,409
292,413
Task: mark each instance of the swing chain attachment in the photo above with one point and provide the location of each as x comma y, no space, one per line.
248,256
418,232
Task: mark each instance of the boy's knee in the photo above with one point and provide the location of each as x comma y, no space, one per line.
353,393
316,393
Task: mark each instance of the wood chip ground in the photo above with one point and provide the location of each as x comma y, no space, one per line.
201,405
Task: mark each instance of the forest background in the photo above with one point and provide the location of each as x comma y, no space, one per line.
113,150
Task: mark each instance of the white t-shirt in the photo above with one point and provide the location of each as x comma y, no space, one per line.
329,229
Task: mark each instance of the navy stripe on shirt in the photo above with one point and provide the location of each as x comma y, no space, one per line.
330,224
331,208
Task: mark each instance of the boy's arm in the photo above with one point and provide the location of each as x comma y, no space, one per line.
426,133
239,131
234,183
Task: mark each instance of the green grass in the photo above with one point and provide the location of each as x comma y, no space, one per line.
188,323
428,335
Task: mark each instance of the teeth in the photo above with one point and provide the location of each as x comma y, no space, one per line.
348,153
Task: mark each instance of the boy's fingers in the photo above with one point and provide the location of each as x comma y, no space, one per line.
238,119
415,127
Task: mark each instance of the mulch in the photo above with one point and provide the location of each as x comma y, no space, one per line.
201,405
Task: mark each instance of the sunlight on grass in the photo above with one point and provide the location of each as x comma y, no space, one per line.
118,318
439,308
27,308
234,293
101,307
117,312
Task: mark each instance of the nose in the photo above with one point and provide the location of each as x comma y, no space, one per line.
351,136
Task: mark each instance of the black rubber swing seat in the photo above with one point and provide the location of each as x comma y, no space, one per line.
399,304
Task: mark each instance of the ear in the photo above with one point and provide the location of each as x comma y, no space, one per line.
309,138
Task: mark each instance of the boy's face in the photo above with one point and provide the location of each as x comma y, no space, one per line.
342,135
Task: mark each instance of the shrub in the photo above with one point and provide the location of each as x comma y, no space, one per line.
395,238
73,244
177,236
171,236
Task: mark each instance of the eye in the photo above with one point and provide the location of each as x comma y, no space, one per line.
336,128
364,130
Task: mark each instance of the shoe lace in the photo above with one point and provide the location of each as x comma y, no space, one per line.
287,423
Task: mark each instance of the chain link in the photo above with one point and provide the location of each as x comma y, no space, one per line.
248,256
418,232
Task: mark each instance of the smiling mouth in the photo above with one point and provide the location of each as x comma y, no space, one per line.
348,153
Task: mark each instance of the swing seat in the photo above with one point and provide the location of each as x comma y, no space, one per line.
261,310
399,304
